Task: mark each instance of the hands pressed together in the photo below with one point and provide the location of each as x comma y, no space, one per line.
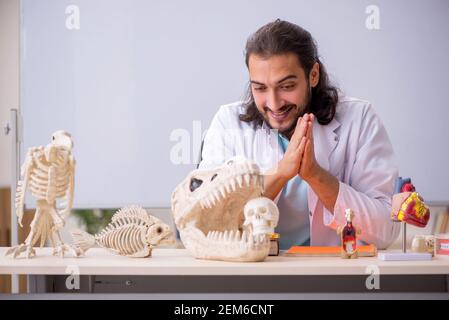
299,157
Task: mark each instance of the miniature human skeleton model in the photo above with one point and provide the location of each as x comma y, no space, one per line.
220,216
49,173
132,233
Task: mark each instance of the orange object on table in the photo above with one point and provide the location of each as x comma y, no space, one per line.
307,251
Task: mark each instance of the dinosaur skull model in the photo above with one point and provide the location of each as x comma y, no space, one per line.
48,172
208,209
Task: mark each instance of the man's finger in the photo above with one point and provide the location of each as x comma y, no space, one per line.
302,146
312,144
300,131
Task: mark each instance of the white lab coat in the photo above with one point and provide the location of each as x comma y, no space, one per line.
354,147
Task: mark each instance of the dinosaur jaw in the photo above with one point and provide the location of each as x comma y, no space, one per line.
214,226
226,245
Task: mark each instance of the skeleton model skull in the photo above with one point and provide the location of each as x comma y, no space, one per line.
48,172
208,209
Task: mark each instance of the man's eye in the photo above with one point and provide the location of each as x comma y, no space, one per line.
288,87
259,88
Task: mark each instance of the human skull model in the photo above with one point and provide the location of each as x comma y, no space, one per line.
208,211
262,215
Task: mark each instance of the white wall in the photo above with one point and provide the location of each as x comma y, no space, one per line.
9,78
135,82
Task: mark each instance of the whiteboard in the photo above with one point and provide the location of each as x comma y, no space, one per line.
136,76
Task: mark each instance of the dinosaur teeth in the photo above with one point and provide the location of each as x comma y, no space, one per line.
247,239
244,237
231,236
222,192
256,179
247,178
205,203
212,200
240,181
251,240
225,236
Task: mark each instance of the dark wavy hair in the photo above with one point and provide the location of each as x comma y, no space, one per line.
281,37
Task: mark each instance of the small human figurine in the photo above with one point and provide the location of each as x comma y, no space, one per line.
408,206
348,237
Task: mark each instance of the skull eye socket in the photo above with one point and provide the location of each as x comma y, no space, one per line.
230,162
159,230
213,177
195,184
263,210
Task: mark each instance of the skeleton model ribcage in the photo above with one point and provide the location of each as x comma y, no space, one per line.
48,181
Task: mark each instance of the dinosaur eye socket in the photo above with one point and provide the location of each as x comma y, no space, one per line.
195,184
159,230
213,177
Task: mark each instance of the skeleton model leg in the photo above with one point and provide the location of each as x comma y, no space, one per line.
59,247
32,238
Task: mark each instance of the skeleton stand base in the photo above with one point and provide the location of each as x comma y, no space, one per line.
404,255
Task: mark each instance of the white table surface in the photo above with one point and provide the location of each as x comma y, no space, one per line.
98,261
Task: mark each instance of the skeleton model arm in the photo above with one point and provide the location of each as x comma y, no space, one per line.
23,184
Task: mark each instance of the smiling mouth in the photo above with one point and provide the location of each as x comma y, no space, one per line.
279,116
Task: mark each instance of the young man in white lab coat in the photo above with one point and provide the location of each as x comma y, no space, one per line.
322,153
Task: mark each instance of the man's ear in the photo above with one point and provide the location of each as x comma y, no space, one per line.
314,75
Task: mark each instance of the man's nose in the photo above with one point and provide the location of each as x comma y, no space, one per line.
273,101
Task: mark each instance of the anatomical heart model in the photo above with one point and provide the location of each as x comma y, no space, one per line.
221,215
408,206
49,174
